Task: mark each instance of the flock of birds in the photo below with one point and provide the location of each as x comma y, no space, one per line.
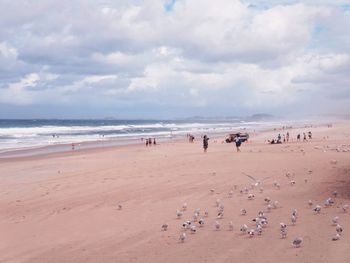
260,222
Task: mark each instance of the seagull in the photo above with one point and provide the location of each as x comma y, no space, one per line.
201,222
297,241
251,232
275,204
195,217
317,209
184,207
336,237
345,208
294,219
329,202
310,203
178,214
261,214
263,222
339,229
217,225
335,220
230,226
258,229
193,229
243,212
221,208
244,228
283,232
182,237
292,182
295,213
165,227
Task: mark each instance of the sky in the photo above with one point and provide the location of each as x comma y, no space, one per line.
173,58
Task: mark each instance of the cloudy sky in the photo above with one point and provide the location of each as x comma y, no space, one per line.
173,58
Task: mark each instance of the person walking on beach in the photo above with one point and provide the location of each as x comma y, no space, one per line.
238,142
298,137
205,143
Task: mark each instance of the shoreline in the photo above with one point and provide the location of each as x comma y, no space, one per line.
82,146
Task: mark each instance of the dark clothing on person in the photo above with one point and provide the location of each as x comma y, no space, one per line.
205,143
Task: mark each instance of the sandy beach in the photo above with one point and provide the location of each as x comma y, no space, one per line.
63,207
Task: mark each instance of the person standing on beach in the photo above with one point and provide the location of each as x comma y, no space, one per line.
304,139
238,142
298,137
287,136
205,143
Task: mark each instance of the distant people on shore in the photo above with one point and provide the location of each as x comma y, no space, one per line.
298,137
310,135
304,137
287,137
151,141
205,143
190,137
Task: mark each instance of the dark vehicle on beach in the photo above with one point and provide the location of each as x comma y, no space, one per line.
242,135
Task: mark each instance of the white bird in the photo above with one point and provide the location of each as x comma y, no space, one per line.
186,225
258,229
193,229
310,203
336,237
329,202
294,219
339,229
230,226
184,207
178,214
292,182
244,228
243,212
345,208
275,204
317,209
261,214
217,225
284,232
165,227
297,241
335,220
182,237
195,217
221,208
251,232
295,213
269,207
201,222
263,222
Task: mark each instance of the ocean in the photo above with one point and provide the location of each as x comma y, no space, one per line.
24,134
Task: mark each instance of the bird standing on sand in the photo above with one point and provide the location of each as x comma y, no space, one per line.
193,229
317,209
275,204
178,214
336,237
297,241
184,207
294,219
206,213
244,228
251,196
165,227
258,229
201,222
310,203
182,237
217,225
243,212
335,220
345,208
283,230
251,232
339,229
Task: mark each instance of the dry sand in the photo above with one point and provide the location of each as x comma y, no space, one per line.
63,207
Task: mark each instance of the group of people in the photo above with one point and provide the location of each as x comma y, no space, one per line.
149,141
237,140
285,137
